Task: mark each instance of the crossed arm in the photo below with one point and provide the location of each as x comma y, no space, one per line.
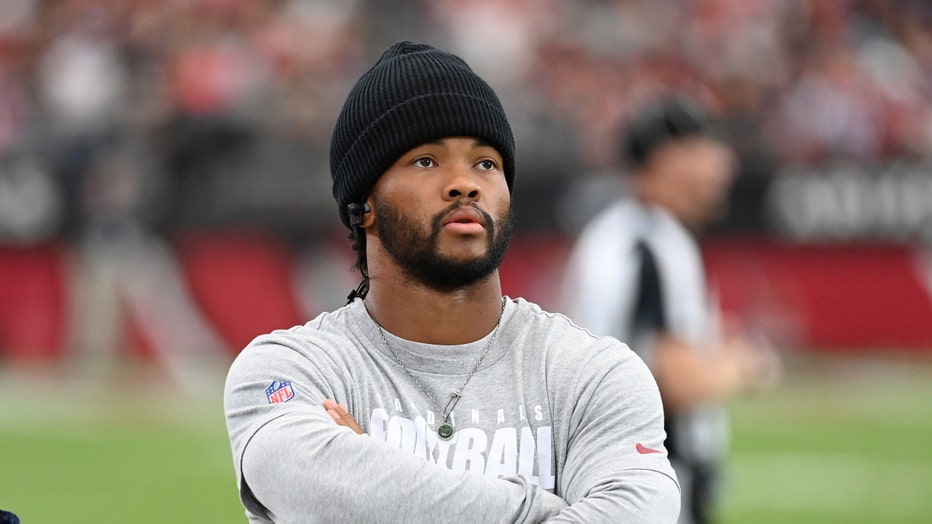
594,488
337,475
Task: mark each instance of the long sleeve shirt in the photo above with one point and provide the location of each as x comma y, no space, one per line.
555,425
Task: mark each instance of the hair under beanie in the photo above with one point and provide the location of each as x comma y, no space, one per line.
414,94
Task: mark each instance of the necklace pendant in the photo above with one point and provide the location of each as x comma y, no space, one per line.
445,431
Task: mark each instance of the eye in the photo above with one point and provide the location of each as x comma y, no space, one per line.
424,161
487,165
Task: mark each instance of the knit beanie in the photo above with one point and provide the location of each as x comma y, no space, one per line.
413,95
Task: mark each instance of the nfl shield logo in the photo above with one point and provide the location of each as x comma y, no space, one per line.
279,392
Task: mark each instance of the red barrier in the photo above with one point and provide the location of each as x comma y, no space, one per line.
242,283
33,301
842,297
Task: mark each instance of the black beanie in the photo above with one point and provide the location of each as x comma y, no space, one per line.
413,95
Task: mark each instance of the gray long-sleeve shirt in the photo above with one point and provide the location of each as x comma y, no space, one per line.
556,424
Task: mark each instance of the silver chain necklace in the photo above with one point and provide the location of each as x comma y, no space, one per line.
445,430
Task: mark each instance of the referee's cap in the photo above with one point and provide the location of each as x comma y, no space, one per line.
669,119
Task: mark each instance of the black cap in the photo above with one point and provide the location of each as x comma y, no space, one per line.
413,95
669,119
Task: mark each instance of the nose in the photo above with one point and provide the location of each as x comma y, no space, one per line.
462,183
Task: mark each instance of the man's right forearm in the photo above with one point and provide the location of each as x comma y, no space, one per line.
332,474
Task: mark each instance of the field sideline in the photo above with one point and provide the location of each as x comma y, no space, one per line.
842,440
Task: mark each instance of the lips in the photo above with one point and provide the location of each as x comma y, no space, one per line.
465,215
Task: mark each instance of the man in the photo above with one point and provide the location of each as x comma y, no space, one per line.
471,406
636,274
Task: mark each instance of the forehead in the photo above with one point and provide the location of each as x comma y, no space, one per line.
695,145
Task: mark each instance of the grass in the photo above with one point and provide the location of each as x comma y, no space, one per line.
840,441
127,452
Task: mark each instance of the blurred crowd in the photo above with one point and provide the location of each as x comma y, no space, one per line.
118,115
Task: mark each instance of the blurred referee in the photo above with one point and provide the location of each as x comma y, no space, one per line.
636,273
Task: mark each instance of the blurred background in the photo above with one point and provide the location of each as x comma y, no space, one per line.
165,197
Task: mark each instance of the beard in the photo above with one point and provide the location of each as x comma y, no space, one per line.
418,252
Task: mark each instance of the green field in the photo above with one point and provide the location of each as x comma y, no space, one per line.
840,441
846,441
114,451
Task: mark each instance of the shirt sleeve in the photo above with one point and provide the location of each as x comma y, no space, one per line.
617,469
596,286
294,464
583,295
